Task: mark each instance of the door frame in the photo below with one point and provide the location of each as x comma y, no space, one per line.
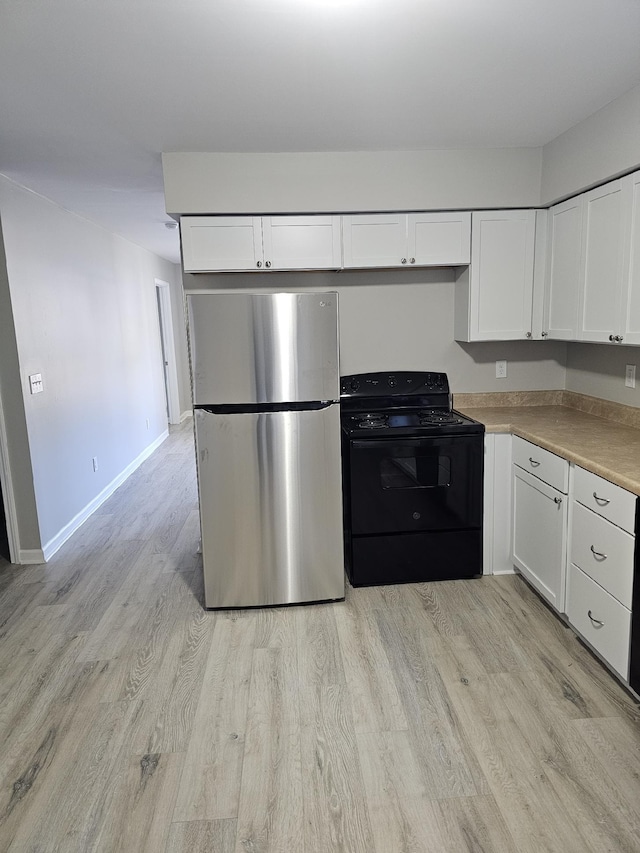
163,291
10,511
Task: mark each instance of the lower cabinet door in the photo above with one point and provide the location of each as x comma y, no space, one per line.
539,535
598,617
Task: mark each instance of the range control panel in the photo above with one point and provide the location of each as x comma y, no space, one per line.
403,383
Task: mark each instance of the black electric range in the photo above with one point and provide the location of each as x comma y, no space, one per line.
412,480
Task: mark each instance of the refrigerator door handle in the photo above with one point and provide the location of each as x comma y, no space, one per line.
263,408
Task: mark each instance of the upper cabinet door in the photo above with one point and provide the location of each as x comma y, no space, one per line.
563,276
602,262
216,243
375,240
439,239
630,302
501,274
301,242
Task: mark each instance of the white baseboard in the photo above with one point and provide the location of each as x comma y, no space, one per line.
510,571
69,529
31,557
185,415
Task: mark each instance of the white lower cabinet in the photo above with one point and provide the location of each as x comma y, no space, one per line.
600,577
600,619
540,534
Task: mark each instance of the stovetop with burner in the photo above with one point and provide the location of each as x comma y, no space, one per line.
399,404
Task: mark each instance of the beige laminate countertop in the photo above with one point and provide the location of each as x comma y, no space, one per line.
602,446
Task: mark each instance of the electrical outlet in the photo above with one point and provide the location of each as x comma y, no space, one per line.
95,463
630,376
501,369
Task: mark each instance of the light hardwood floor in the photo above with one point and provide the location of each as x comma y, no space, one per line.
460,716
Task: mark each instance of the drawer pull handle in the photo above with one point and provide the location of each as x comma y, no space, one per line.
596,622
557,500
533,462
598,554
601,501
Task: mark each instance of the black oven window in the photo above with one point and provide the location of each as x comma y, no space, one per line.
415,472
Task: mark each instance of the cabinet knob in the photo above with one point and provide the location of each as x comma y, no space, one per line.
259,264
557,501
545,334
528,335
601,501
403,260
612,337
267,264
619,338
412,260
596,622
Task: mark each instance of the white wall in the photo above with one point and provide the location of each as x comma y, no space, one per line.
351,181
604,145
85,314
403,320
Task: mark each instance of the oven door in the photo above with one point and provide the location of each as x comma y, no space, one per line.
416,484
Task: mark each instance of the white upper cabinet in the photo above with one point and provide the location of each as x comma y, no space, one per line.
562,285
494,297
302,242
602,262
234,243
592,286
404,240
630,302
375,240
212,243
439,239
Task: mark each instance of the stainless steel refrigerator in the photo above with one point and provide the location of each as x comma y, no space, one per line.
266,392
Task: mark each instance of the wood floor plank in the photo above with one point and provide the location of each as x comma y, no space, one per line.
270,812
319,658
65,814
211,780
616,744
432,722
578,778
402,814
473,825
137,813
168,711
202,836
374,693
535,816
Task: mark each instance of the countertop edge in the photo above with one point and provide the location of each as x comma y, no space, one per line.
613,475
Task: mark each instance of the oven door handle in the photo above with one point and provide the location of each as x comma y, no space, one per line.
394,443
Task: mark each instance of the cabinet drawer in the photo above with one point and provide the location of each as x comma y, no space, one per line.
604,552
603,497
553,469
608,627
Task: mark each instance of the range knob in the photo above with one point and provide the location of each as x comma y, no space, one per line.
354,385
392,381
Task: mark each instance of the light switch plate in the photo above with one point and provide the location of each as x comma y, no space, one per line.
35,383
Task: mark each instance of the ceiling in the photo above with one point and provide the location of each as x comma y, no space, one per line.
94,90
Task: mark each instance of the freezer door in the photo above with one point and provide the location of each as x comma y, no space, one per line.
252,348
270,507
